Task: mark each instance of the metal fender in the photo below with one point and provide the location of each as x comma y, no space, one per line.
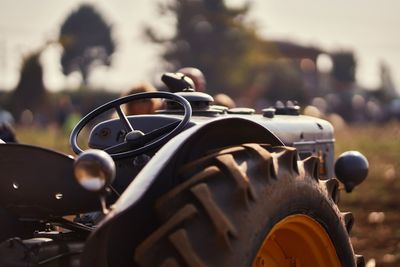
157,177
191,144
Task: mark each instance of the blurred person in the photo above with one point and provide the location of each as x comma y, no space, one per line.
26,118
313,111
64,108
143,106
224,100
394,109
7,133
6,116
71,120
197,77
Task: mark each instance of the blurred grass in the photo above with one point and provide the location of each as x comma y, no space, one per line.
377,240
51,137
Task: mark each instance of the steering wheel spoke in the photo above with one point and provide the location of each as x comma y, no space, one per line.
117,148
155,133
142,140
124,120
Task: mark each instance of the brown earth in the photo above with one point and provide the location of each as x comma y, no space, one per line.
376,202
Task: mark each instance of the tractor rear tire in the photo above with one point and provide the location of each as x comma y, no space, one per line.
250,205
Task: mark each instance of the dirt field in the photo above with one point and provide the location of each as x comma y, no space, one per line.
375,204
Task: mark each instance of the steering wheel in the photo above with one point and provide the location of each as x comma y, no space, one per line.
136,142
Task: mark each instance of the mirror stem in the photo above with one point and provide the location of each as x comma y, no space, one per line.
104,205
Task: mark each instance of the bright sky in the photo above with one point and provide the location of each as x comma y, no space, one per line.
369,28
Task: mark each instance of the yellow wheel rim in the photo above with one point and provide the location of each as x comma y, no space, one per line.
297,241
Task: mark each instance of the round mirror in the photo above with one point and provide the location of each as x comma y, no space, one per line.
94,170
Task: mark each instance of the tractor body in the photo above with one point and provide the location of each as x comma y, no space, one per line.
38,189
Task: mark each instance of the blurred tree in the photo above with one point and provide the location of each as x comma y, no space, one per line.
284,82
30,93
87,41
344,66
216,39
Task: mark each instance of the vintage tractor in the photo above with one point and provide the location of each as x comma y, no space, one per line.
192,185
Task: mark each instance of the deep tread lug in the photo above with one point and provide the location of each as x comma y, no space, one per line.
288,157
360,261
240,177
187,212
311,165
187,169
202,176
348,220
230,150
181,242
332,187
266,167
225,229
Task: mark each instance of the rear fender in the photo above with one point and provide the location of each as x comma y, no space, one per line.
190,145
132,211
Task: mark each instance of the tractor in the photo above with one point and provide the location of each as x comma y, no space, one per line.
193,184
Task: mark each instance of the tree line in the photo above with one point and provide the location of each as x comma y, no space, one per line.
210,35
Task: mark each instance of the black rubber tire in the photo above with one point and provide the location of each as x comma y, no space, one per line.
229,201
